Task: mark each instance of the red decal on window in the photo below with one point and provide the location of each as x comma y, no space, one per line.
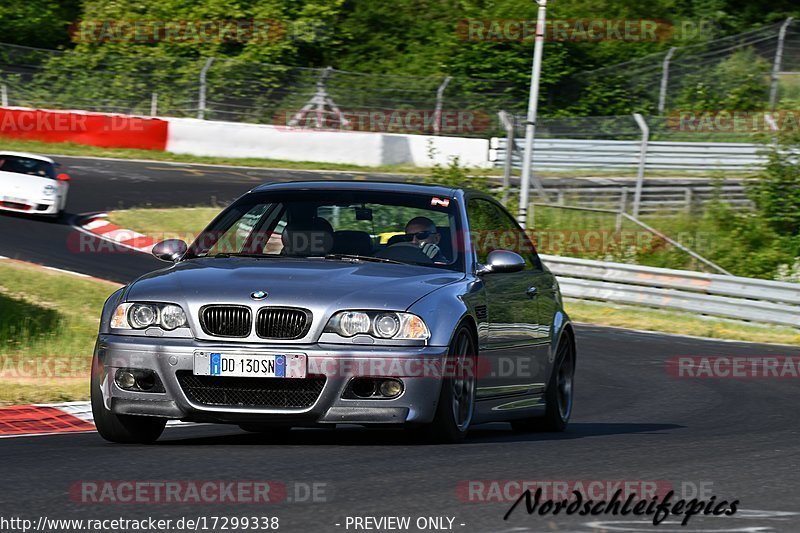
438,201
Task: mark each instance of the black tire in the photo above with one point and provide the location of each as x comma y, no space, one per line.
456,404
559,395
122,429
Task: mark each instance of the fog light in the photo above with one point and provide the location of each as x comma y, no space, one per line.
391,388
364,388
146,381
138,380
125,380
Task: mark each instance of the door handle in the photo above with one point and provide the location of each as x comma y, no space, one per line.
531,292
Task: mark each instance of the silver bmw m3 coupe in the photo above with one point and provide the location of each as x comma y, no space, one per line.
323,303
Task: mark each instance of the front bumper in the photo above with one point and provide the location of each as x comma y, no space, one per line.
43,207
419,368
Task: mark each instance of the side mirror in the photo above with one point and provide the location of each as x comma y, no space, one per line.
170,250
63,177
502,262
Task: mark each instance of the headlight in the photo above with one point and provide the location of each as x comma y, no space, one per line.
380,324
49,190
144,315
172,317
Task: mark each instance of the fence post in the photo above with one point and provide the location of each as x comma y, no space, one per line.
662,95
154,104
437,114
201,97
508,124
687,195
637,195
776,66
623,205
4,95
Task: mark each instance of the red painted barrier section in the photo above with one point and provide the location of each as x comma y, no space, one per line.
95,129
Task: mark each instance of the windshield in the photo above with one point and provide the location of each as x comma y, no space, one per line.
26,165
338,225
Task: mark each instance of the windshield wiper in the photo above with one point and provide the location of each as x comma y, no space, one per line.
370,258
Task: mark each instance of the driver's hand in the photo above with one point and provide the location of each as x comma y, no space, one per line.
430,249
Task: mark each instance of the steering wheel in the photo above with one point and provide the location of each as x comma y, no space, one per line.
406,252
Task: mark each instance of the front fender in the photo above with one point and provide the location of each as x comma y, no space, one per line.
444,309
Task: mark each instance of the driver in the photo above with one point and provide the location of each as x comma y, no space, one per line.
422,231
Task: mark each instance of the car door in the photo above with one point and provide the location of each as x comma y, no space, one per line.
517,345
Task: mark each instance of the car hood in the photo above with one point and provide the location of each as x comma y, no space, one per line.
322,286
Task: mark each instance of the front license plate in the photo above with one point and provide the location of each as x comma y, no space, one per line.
249,365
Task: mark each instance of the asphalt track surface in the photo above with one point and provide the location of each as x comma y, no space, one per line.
733,438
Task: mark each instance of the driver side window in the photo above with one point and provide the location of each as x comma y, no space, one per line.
493,229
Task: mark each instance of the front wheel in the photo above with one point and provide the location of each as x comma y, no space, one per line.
123,429
457,399
559,395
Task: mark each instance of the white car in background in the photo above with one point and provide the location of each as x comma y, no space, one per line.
30,183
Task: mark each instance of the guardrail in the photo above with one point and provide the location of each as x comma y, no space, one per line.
580,154
749,299
660,199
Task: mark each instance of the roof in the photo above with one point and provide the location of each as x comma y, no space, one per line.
352,185
30,156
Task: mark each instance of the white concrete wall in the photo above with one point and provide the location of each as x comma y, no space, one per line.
235,139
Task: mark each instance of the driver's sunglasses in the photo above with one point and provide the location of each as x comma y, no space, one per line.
420,235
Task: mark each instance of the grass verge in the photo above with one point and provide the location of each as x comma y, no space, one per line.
165,223
48,324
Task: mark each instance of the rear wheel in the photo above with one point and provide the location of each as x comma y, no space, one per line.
457,398
123,429
559,394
